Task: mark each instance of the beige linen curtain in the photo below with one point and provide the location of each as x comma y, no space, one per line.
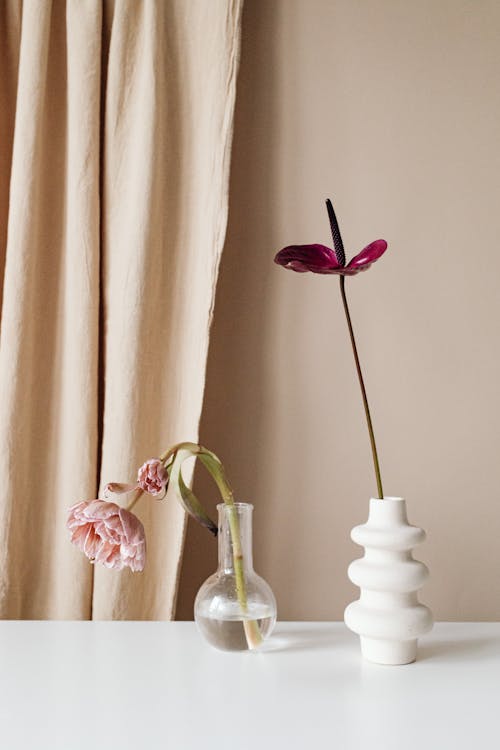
115,132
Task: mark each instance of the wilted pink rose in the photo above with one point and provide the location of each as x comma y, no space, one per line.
108,534
152,477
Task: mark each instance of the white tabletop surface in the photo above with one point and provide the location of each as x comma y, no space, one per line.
149,685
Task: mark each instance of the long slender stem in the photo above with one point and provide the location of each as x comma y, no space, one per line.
363,390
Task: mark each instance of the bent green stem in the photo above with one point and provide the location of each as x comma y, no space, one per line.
363,390
191,504
172,460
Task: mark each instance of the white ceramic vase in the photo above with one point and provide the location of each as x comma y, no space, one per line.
387,616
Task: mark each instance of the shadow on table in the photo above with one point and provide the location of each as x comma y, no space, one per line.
447,650
310,639
305,639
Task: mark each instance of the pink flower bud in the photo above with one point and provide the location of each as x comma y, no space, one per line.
152,477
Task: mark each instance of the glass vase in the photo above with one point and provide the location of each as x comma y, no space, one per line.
235,609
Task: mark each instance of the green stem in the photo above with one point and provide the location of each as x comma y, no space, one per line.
363,390
251,627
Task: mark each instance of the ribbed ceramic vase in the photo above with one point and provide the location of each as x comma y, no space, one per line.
388,616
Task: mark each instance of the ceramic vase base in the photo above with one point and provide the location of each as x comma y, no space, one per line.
393,653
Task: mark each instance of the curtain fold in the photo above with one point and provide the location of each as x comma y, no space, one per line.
116,124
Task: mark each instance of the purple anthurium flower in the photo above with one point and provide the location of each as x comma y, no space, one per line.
322,259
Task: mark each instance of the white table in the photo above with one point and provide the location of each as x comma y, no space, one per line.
76,685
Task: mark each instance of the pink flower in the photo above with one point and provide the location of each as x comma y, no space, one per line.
152,477
108,534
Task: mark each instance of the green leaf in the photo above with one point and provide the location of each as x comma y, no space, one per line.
185,495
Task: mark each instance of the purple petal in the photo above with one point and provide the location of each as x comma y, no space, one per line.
315,258
363,260
297,265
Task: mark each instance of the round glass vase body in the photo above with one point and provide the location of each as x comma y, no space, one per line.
235,609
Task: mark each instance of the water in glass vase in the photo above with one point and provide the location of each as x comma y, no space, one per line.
230,633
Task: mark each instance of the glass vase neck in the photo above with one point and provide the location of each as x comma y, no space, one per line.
235,520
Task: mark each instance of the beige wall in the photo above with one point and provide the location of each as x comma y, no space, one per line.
392,108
